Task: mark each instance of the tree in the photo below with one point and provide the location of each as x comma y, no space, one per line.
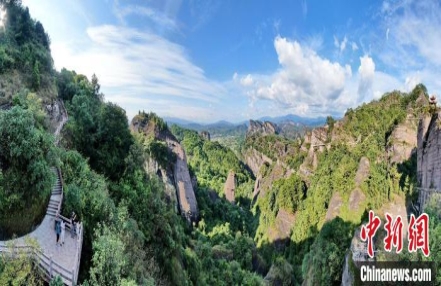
36,76
113,141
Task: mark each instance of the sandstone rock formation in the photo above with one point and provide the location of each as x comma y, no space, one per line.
427,151
356,197
151,166
230,187
186,197
334,206
282,227
262,128
403,140
57,114
177,174
206,135
255,160
429,157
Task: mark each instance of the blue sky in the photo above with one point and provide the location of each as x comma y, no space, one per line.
206,60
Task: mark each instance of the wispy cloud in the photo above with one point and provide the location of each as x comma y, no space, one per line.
142,64
161,19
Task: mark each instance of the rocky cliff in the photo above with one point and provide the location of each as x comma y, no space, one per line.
428,153
230,187
403,140
183,183
57,115
262,128
175,175
255,160
206,135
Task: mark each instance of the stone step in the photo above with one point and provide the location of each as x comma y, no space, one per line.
51,214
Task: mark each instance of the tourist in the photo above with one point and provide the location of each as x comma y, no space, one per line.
57,229
63,228
73,217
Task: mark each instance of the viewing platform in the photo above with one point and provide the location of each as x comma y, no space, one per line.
52,259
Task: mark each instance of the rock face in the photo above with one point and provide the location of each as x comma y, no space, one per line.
230,187
403,140
177,175
282,228
255,160
429,156
262,128
334,206
186,197
206,135
427,152
356,197
57,115
362,171
166,175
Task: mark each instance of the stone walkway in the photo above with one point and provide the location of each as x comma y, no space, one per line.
63,259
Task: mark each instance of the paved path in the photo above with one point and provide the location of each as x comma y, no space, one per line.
53,259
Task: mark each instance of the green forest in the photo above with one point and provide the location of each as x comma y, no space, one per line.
133,234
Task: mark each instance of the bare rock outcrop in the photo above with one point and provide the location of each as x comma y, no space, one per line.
206,135
262,128
57,115
186,197
282,227
176,174
151,166
362,171
425,150
334,206
403,140
230,187
356,197
255,160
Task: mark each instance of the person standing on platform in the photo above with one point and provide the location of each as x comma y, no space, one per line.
73,217
57,229
63,231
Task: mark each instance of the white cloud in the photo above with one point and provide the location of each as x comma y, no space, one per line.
336,42
354,46
415,30
247,80
366,73
304,82
341,45
159,18
142,64
411,81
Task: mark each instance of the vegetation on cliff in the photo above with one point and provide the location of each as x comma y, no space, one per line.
133,234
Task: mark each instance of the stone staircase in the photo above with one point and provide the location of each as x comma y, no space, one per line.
56,196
